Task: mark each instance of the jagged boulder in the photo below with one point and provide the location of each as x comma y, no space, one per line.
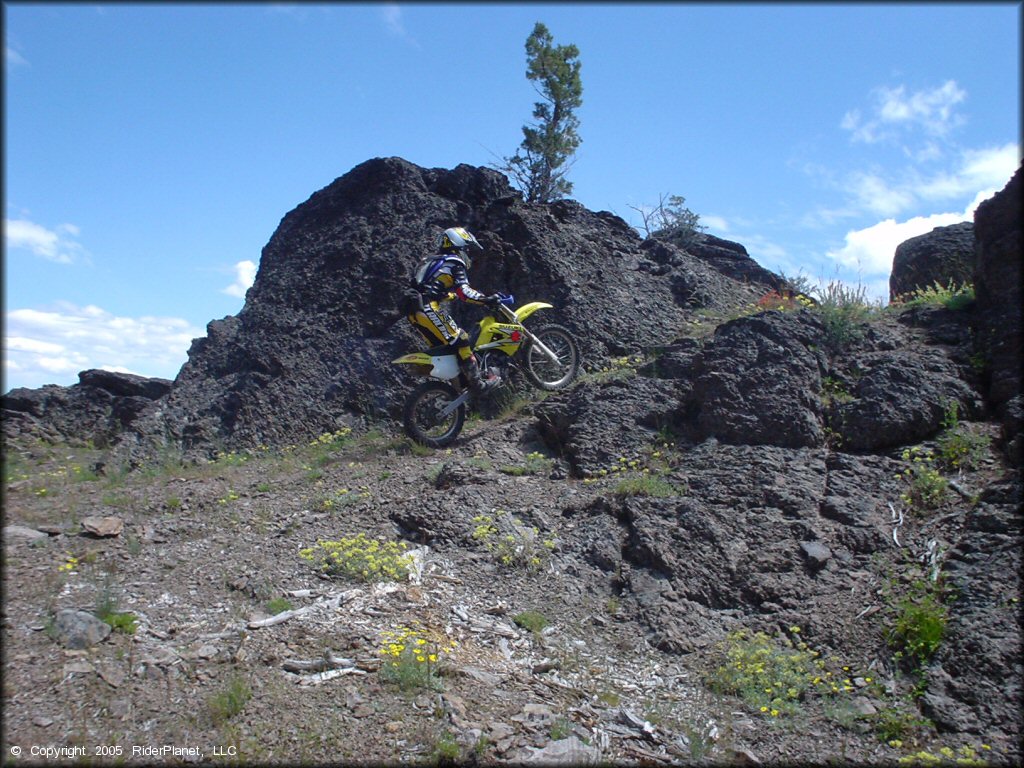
752,530
760,380
898,383
732,260
997,284
311,348
944,255
977,678
97,409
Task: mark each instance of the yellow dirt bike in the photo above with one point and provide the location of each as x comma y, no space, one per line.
549,357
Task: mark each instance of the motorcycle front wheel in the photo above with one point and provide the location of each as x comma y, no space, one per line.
422,415
543,372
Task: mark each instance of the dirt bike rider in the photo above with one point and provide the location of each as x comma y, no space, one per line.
439,280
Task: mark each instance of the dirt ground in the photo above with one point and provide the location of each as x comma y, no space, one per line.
215,671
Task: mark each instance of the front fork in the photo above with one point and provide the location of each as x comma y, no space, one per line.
454,405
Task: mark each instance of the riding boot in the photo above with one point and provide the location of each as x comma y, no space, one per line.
478,381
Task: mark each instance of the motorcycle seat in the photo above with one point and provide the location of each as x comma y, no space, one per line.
442,349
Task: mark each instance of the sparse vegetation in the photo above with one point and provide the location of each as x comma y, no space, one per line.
536,463
278,605
533,621
617,368
899,723
920,622
834,391
180,530
411,657
360,558
771,675
647,485
950,296
968,754
844,310
958,447
230,700
512,543
446,749
107,607
670,220
926,487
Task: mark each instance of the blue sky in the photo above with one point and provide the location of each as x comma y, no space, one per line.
151,150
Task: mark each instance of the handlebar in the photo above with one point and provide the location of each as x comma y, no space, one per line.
507,301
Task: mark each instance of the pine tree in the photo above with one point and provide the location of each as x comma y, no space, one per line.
540,164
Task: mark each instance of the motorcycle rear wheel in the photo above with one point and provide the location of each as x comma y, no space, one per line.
541,370
421,418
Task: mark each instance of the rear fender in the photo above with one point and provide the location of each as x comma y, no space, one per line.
444,367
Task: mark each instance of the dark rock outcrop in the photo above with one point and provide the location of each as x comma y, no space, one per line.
758,382
896,390
311,348
997,286
944,255
732,260
761,380
97,409
979,667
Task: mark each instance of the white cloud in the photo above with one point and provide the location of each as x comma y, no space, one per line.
13,58
245,275
871,192
715,223
871,250
394,22
889,194
51,346
393,19
978,169
896,112
57,245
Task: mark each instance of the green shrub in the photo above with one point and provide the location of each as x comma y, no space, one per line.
229,701
278,605
949,296
446,749
926,487
323,449
411,657
121,621
834,391
958,447
844,311
510,542
107,607
647,485
894,725
533,621
920,622
360,558
771,677
536,464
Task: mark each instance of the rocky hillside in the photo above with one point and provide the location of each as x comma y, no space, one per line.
311,349
746,535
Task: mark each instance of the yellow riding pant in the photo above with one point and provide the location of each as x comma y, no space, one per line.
437,325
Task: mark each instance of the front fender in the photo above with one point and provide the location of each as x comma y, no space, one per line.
528,309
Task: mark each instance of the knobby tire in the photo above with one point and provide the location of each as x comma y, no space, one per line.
419,415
